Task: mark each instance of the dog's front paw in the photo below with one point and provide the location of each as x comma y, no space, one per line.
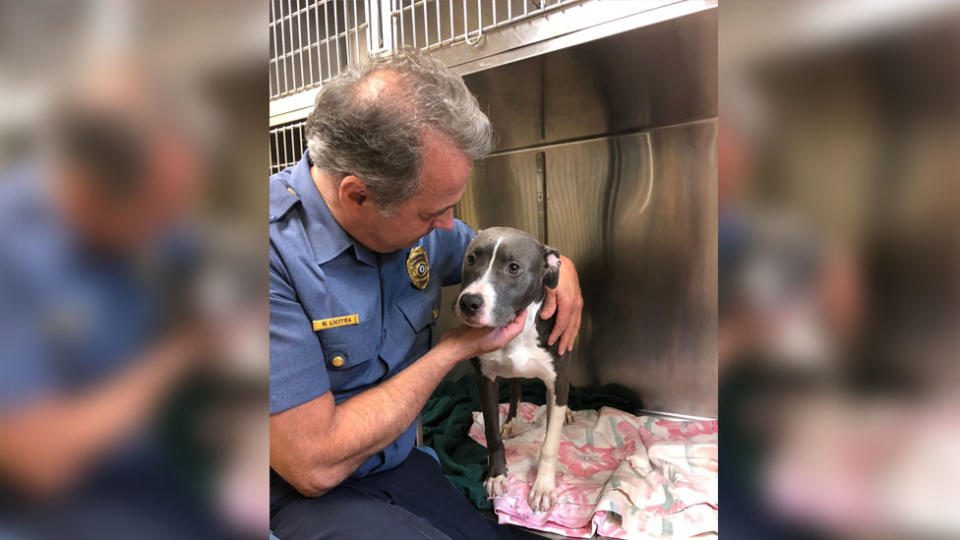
543,495
510,428
496,485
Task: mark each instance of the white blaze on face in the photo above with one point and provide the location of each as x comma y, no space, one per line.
484,288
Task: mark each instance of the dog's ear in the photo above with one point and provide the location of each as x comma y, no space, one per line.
551,267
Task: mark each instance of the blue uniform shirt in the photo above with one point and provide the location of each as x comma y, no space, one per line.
70,318
343,318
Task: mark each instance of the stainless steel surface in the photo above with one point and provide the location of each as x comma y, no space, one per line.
568,28
573,25
655,76
503,191
589,90
511,96
637,215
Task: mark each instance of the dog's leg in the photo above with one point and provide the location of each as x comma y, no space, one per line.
568,419
563,390
543,494
510,426
496,482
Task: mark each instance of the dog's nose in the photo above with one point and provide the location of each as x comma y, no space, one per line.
471,303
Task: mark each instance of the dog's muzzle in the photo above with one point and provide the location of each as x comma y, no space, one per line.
471,304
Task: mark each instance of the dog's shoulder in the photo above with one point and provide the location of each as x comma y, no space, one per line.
544,327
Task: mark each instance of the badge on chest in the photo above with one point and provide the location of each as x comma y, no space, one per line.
418,267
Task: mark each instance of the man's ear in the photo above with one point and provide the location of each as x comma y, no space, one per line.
551,267
353,194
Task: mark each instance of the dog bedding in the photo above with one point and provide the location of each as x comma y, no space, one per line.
618,475
448,415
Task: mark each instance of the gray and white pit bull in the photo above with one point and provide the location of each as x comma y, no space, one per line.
506,271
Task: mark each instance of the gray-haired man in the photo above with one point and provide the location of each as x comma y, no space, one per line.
362,238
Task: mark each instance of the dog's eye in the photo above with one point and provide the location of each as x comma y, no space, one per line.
471,259
513,268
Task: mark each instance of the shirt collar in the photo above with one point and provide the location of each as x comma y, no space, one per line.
327,237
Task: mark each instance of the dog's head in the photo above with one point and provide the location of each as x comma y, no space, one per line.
504,271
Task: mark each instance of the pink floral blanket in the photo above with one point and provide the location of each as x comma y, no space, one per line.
618,475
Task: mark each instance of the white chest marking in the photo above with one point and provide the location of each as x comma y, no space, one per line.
522,357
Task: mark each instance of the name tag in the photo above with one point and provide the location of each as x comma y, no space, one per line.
346,320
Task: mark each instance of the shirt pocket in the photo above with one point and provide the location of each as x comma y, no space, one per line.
420,308
347,351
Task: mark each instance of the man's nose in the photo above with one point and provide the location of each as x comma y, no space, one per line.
471,303
444,221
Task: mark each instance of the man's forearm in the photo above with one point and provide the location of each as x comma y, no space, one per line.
47,445
369,421
316,445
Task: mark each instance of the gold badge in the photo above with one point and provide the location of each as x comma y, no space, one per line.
346,320
418,267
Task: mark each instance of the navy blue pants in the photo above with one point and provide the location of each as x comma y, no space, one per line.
413,500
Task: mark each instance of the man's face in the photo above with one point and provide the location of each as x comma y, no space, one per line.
170,179
442,183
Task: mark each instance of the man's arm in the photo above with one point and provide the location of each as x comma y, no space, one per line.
45,446
318,444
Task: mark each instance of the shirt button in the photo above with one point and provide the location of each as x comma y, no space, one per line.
337,361
292,192
435,313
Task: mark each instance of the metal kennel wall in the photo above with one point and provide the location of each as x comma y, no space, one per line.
606,120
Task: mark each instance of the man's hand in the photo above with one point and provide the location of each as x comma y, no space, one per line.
470,341
48,445
567,301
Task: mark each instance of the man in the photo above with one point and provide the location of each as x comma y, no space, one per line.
94,253
362,238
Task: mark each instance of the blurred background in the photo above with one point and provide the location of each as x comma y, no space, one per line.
134,364
839,269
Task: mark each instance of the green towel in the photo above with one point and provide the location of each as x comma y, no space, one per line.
448,414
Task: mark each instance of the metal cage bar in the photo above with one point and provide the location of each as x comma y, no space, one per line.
306,53
487,17
287,145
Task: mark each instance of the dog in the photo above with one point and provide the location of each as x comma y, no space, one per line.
506,271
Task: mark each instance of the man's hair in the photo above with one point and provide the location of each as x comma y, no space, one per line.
107,146
370,120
